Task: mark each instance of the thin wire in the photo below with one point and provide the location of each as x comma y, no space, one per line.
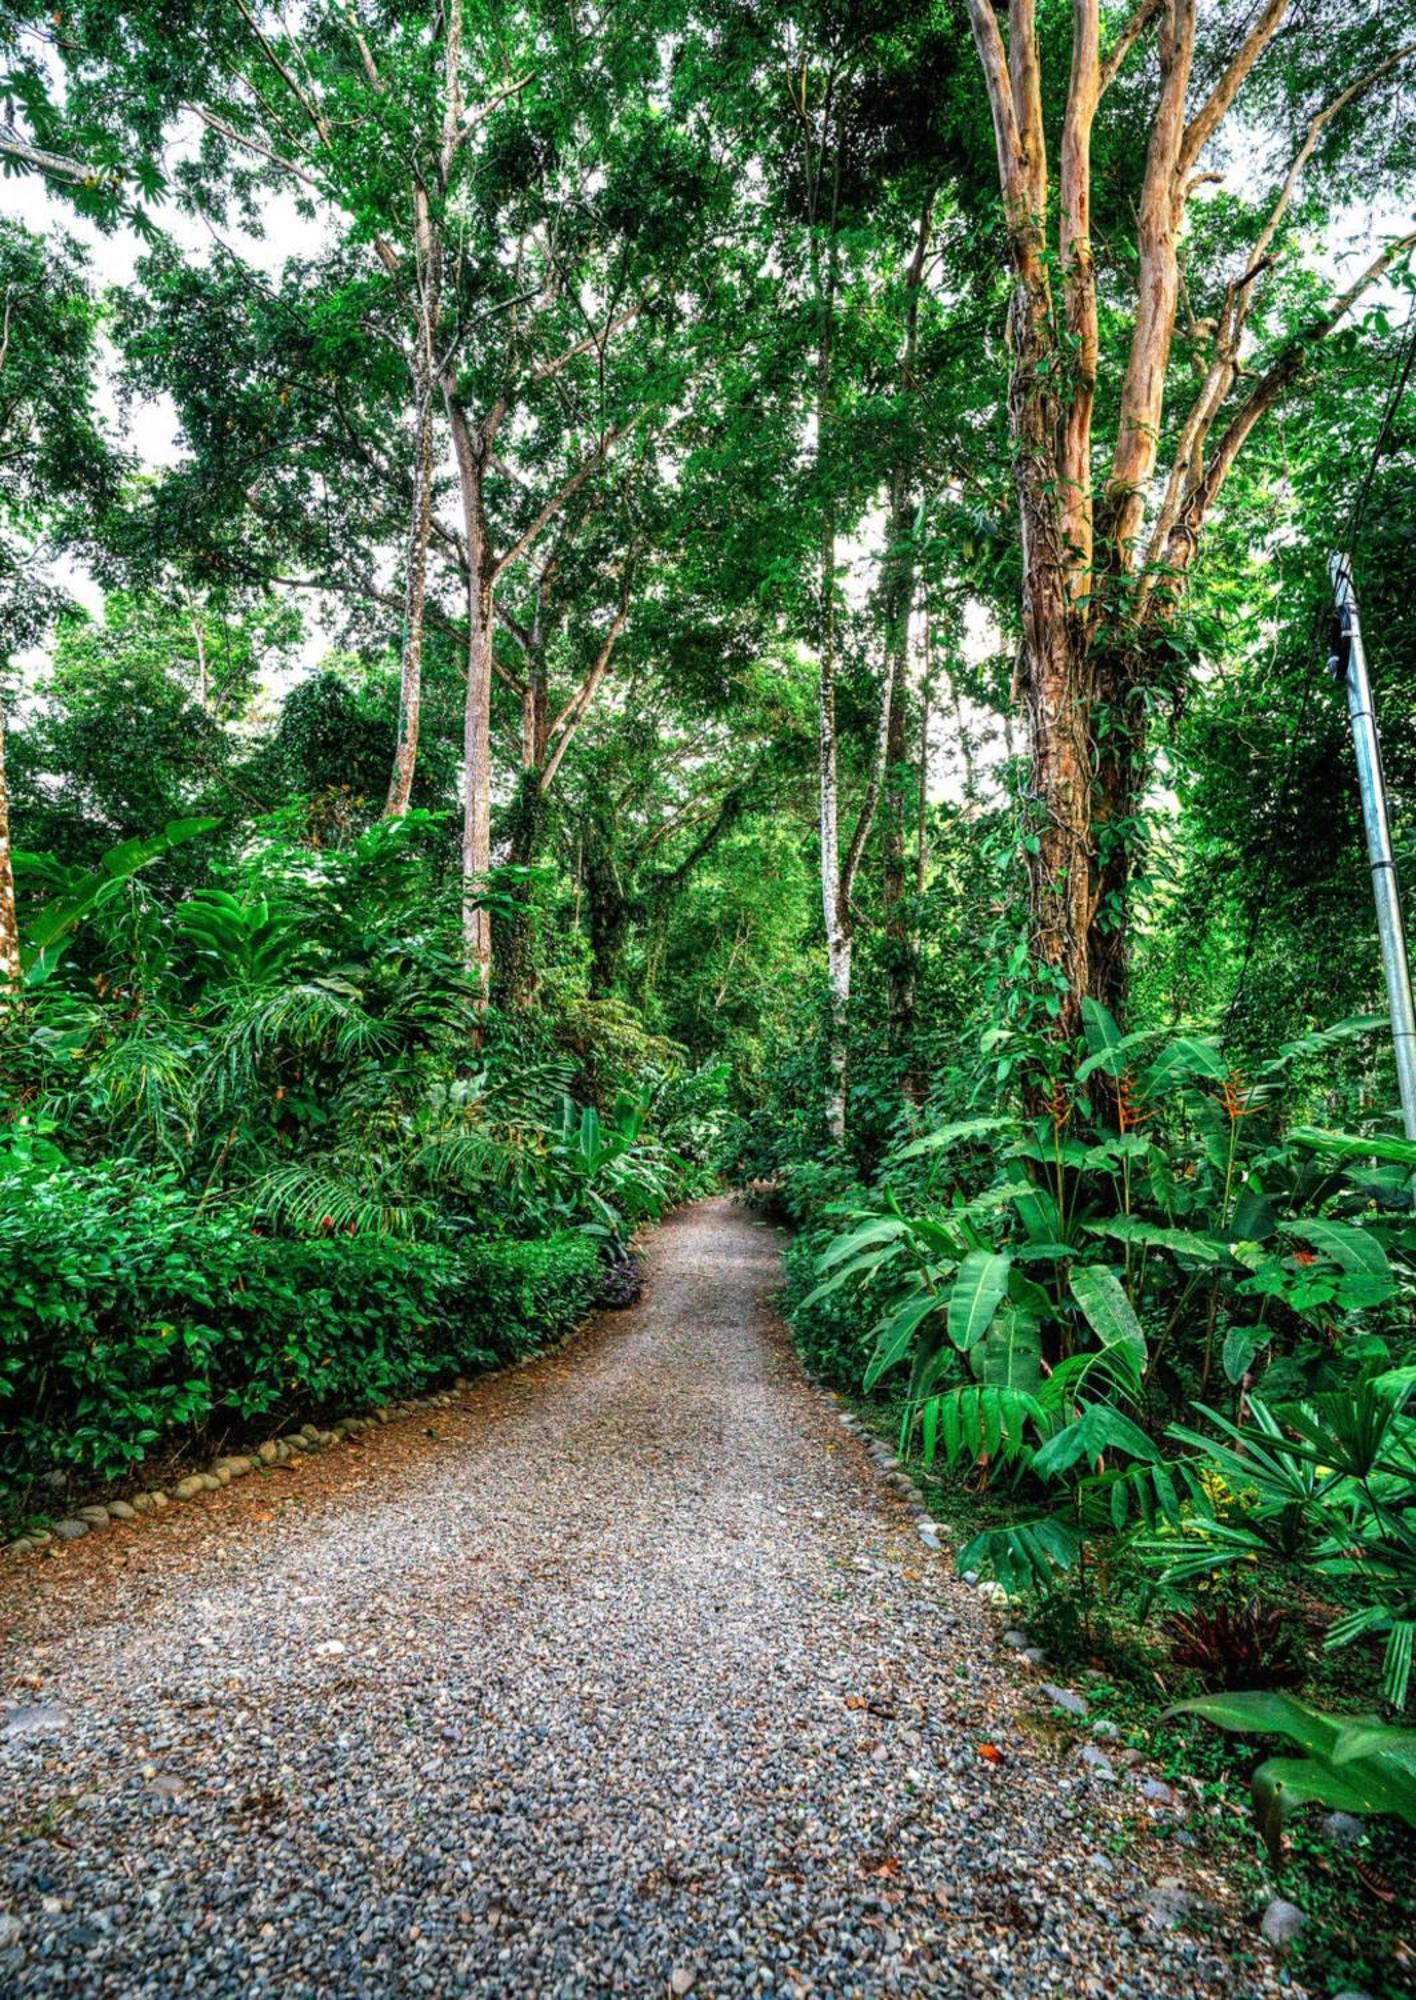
1396,390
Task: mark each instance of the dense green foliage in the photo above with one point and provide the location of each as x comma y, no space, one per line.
564,724
132,1321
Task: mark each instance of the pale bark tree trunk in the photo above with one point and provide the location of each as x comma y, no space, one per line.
834,908
471,447
410,690
900,937
1088,783
9,920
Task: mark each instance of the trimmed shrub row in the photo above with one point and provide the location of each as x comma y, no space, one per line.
131,1322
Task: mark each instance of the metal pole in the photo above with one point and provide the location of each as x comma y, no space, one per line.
1349,664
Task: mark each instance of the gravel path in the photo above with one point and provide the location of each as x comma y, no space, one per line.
624,1676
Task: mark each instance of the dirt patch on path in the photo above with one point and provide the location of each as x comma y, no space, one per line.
623,1676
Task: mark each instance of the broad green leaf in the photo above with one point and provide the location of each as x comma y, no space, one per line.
896,1334
1010,1356
1349,1146
1241,1344
1353,1250
1181,1061
977,1292
1103,1300
956,1134
1154,1235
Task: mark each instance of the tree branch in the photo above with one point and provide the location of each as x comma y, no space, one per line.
1140,20
991,54
567,492
85,174
251,145
563,729
1205,488
1079,291
1207,120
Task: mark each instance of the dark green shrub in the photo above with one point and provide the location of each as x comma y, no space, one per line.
130,1321
834,1338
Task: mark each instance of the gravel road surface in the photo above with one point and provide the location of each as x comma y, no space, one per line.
626,1675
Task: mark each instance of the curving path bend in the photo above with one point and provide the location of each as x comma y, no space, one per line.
625,1676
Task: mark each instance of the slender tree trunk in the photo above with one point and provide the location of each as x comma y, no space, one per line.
410,692
9,921
835,889
471,451
833,902
477,784
203,683
898,784
897,778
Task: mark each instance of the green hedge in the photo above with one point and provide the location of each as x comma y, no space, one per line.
129,1322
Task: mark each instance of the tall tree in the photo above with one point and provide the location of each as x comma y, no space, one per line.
1106,552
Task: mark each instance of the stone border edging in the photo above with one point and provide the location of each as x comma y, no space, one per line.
230,1465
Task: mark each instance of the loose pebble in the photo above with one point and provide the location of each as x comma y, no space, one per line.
1064,1698
1281,1923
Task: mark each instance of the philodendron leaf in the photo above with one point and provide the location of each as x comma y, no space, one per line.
977,1293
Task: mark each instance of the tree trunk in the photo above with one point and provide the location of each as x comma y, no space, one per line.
898,774
833,909
427,250
410,692
1056,680
9,921
897,777
470,450
515,945
477,785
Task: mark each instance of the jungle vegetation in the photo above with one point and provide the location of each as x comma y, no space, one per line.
741,593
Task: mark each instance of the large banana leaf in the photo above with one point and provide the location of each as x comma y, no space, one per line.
978,1291
1103,1300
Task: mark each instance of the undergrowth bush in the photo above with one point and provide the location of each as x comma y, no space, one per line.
131,1322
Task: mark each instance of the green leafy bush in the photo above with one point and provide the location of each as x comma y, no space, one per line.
130,1320
1050,1289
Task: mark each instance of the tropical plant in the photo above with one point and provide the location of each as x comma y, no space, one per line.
1324,1488
1355,1764
1043,1280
